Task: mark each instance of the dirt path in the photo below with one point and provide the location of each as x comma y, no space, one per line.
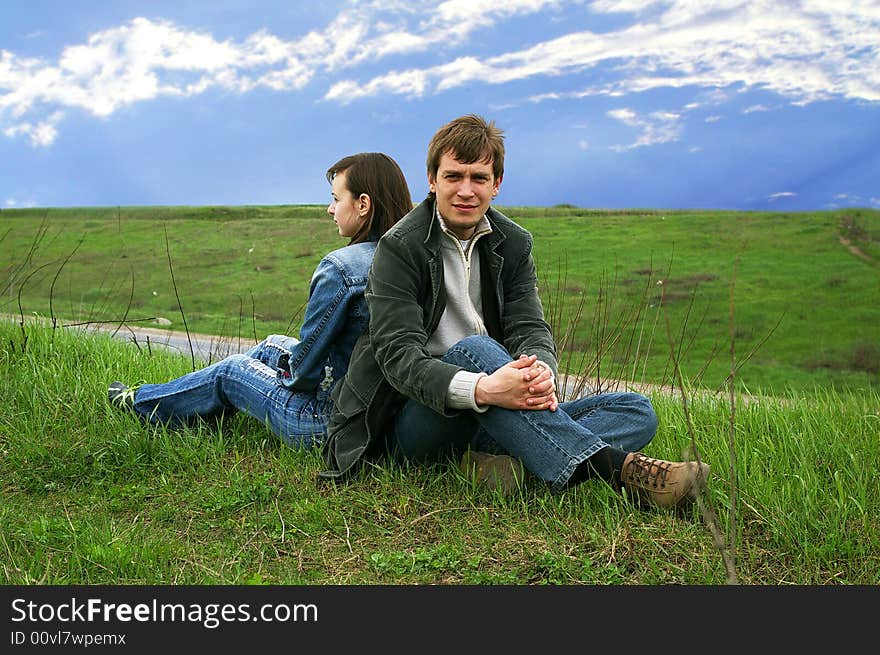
858,252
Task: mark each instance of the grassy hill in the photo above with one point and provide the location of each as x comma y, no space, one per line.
91,496
798,292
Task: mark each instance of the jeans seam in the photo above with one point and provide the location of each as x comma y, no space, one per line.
573,460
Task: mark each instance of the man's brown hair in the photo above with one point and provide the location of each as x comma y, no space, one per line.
469,139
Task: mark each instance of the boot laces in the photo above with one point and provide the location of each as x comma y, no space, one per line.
648,471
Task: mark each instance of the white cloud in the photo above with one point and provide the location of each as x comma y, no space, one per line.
411,82
803,51
41,134
654,128
713,119
146,59
622,6
12,202
456,20
853,200
809,52
781,194
439,24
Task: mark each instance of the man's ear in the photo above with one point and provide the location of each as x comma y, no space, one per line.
364,205
497,185
431,183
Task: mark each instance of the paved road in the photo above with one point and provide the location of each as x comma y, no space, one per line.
205,347
210,348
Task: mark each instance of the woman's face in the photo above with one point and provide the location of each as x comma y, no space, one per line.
347,211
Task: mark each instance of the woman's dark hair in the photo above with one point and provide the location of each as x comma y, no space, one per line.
379,176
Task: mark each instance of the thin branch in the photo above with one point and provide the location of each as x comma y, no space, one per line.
731,538
750,353
130,302
55,279
705,507
192,352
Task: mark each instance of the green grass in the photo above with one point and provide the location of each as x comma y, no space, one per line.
89,495
806,311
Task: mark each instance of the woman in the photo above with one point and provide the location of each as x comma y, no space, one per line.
282,381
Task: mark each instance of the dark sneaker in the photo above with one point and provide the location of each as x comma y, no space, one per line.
665,484
501,472
121,396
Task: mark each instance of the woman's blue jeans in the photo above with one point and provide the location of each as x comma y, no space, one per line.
246,383
550,444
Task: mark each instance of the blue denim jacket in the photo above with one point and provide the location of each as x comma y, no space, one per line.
336,315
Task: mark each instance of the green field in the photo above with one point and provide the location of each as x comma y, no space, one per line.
89,495
798,291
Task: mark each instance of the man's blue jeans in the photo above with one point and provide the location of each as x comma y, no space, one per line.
550,444
247,383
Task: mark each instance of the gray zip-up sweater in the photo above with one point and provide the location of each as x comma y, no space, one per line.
463,315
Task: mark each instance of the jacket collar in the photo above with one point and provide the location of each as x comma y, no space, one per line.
497,236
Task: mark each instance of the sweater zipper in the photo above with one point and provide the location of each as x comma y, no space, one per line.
467,280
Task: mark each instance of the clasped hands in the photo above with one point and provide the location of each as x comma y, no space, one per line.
523,383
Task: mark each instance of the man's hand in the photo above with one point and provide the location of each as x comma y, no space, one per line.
543,394
521,384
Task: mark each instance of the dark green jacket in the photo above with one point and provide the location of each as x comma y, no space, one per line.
406,298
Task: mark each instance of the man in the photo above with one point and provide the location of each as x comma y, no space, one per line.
459,359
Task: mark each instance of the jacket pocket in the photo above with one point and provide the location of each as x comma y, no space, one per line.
346,400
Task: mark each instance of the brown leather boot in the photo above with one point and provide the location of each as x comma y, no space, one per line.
501,472
665,484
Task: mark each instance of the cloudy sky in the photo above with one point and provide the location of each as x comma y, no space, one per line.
605,103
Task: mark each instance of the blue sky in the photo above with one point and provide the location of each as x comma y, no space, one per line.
606,103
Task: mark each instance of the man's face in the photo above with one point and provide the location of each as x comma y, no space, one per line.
463,193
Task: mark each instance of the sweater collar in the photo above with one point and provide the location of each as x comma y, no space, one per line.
435,231
483,227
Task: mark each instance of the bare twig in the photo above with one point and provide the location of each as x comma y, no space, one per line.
280,518
177,295
750,353
347,535
708,514
55,279
20,308
130,302
436,511
731,538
